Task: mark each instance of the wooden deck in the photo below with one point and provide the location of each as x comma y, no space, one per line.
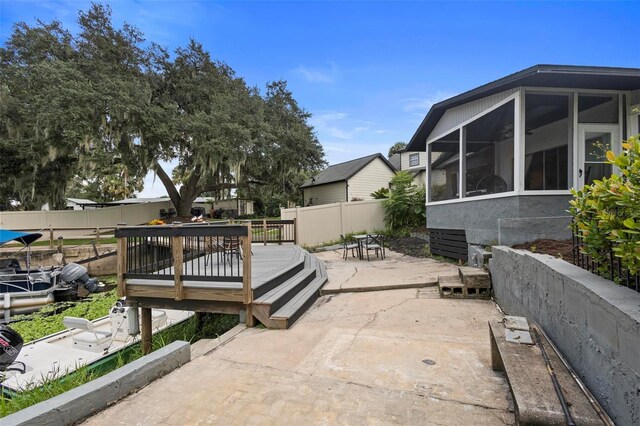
266,262
197,268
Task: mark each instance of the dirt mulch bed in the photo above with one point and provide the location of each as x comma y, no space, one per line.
556,248
409,246
418,247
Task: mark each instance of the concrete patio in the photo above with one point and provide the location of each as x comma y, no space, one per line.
400,356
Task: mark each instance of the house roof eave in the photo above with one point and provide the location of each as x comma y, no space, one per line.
570,76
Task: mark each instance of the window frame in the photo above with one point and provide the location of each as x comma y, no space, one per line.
416,156
519,140
462,166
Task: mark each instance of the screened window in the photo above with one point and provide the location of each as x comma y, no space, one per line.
414,160
488,143
444,164
548,135
597,108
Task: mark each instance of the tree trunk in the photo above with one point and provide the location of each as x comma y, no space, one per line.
173,193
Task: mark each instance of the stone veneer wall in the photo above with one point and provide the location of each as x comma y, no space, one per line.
593,322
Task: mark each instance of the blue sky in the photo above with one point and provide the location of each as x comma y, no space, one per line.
369,71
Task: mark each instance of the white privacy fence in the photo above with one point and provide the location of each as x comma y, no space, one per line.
103,217
326,222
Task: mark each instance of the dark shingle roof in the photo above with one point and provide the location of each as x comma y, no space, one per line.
344,171
395,161
566,76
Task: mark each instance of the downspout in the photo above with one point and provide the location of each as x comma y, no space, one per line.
346,187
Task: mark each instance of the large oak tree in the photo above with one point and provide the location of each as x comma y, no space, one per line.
102,107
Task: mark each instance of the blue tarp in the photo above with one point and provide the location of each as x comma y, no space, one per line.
21,237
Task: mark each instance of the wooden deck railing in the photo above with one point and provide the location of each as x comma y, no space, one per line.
209,254
274,231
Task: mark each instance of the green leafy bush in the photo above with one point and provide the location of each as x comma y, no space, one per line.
405,207
380,194
607,212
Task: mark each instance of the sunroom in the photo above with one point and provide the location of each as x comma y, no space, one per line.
503,157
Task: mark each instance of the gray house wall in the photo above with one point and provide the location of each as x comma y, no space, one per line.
519,219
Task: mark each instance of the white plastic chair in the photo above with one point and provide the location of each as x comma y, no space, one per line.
89,339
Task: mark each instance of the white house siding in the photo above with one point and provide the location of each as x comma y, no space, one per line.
420,179
404,160
325,194
372,177
457,115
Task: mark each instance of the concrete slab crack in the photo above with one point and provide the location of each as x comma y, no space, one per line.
457,401
348,279
369,322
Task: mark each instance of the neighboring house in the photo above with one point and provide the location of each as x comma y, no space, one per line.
503,156
414,162
349,181
76,204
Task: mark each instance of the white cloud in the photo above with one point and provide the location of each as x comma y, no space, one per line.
318,75
335,124
324,117
423,105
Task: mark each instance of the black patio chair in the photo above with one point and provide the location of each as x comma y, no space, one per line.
232,247
376,243
347,245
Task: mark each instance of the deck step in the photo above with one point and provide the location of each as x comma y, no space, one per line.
290,312
280,295
284,303
281,276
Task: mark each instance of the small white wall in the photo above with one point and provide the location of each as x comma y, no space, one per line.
325,194
109,216
372,177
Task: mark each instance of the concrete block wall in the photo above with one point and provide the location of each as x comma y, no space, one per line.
593,322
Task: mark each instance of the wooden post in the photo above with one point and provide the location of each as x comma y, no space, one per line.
145,328
246,276
97,236
178,263
264,231
50,237
121,267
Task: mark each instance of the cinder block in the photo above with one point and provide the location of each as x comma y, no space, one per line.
452,287
474,277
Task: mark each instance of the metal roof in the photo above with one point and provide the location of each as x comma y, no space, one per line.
344,171
565,76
